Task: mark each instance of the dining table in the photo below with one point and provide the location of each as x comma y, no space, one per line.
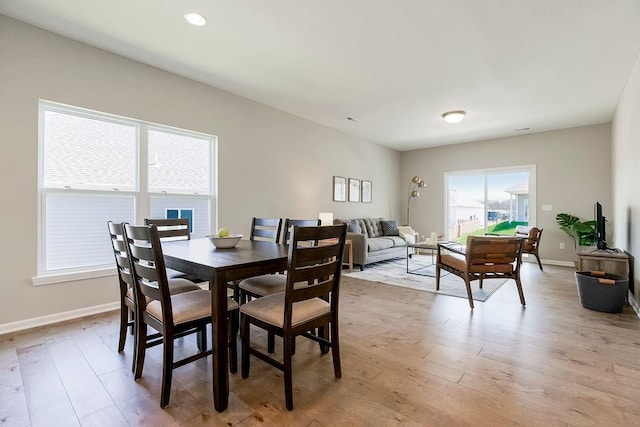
199,258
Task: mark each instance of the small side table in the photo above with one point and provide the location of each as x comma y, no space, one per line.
348,249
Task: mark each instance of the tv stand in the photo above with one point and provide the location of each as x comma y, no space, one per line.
610,260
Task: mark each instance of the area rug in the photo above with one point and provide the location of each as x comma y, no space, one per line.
394,272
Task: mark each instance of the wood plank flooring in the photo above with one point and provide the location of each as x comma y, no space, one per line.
409,358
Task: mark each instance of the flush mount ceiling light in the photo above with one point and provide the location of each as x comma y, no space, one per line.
454,117
196,19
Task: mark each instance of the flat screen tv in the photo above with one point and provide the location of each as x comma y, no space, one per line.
600,226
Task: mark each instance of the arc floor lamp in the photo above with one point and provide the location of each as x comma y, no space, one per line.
416,182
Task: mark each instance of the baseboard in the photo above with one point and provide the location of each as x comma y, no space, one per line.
559,263
633,303
20,325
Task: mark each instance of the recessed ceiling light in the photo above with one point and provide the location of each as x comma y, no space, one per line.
196,19
453,117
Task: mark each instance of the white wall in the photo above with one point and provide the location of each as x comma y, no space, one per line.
271,163
573,170
626,172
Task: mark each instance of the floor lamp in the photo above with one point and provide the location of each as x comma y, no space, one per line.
416,182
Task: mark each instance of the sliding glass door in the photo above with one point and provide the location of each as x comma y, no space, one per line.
490,201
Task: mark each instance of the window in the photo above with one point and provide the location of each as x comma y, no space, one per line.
95,167
489,201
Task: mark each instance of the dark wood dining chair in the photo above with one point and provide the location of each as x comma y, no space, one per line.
126,284
262,229
266,229
170,229
267,284
483,258
313,287
173,316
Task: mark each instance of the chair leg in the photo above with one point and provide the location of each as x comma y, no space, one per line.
520,292
323,331
437,277
141,348
167,370
271,342
124,322
201,338
288,380
246,342
233,350
468,284
335,348
538,258
480,283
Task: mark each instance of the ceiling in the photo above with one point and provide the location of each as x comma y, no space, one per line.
393,66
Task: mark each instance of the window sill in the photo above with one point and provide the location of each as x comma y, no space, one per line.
50,279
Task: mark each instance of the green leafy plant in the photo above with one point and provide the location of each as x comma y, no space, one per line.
582,233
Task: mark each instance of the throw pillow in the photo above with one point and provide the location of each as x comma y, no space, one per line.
390,228
353,226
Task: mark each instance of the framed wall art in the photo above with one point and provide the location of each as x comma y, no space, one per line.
339,189
354,190
366,191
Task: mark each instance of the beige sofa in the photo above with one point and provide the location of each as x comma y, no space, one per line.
369,242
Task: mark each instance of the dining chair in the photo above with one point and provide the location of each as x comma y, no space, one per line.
126,284
266,229
173,316
310,301
172,229
267,284
262,229
532,236
484,257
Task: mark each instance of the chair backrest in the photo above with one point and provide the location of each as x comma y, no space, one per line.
494,251
147,261
123,264
532,236
267,229
314,271
171,229
288,223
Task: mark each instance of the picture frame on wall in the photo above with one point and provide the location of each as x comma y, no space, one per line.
354,190
366,191
339,189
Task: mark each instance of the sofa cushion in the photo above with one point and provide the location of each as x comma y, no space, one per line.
373,227
353,226
390,228
380,243
397,240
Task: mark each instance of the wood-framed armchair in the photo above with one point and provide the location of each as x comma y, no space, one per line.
532,236
485,257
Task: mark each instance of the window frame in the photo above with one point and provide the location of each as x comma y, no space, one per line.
141,194
485,172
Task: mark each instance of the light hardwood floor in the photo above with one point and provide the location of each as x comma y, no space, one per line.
409,358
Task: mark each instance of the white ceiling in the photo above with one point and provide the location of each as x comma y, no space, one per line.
393,65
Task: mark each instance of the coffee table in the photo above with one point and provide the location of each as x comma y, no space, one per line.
422,271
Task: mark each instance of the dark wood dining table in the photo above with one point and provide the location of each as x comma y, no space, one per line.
199,258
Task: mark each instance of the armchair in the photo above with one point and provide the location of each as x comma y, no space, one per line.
484,258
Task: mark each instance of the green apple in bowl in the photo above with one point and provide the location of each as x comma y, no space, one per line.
223,232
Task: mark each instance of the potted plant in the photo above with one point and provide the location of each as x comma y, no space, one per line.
582,233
